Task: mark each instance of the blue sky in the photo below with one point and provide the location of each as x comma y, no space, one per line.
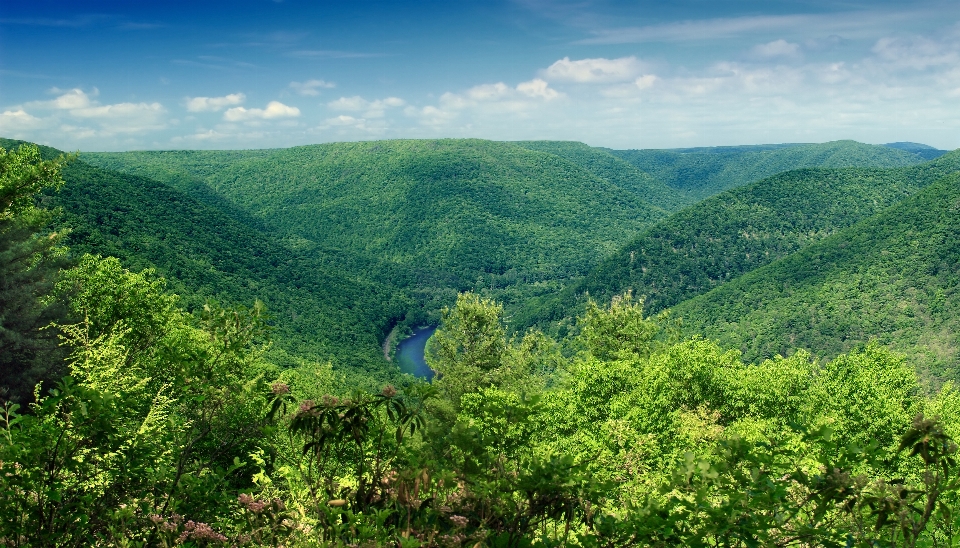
121,75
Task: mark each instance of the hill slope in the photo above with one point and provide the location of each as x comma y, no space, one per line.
436,216
732,233
318,312
894,277
703,172
605,164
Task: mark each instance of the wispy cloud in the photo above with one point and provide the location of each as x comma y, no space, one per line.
372,109
853,23
332,54
696,30
311,88
213,104
597,70
274,110
776,49
213,62
72,22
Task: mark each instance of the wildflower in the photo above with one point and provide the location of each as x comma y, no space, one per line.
459,521
279,388
389,391
200,531
307,408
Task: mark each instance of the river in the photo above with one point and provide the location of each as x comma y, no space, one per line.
410,354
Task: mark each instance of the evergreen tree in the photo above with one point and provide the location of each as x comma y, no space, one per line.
29,262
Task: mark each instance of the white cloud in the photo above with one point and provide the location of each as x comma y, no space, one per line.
597,70
777,48
917,52
526,92
274,110
537,88
213,104
646,81
349,103
344,120
311,88
19,120
124,117
118,118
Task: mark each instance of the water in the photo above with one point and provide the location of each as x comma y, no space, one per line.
410,354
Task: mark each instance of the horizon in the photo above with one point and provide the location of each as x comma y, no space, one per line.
772,145
108,76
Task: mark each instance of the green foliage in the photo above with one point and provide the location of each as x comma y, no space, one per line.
605,163
704,172
729,235
433,216
318,312
179,427
30,258
892,277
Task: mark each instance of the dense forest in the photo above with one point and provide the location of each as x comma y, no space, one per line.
739,346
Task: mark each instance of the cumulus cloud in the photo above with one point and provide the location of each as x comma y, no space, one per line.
344,120
214,104
645,81
274,110
537,88
500,92
19,120
590,71
496,105
777,48
118,118
124,117
310,88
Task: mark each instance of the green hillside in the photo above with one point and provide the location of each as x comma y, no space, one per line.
318,312
728,235
434,216
605,164
926,152
703,172
893,277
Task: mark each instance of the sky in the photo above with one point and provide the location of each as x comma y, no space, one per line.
122,75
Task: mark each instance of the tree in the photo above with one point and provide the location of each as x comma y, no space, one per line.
468,347
30,260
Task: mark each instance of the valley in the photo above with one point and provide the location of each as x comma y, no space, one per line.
602,323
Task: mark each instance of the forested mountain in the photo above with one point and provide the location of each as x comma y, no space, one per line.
318,312
604,163
728,235
893,277
703,172
926,152
433,216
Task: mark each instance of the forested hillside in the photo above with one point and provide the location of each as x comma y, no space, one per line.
433,216
318,312
728,235
703,172
605,164
892,277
